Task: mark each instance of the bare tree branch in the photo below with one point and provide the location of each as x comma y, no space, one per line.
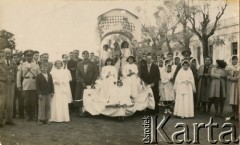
194,30
219,15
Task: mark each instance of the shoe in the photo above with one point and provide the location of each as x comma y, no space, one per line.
82,115
10,123
40,122
120,119
182,117
169,111
28,119
48,122
166,111
21,117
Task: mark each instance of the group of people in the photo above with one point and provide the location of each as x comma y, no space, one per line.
45,91
181,86
37,89
191,87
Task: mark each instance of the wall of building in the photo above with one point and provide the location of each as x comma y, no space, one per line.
228,30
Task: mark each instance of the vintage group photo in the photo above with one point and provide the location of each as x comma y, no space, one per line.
79,72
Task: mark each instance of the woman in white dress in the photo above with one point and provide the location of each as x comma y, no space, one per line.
130,76
106,53
62,96
109,76
166,88
126,52
184,87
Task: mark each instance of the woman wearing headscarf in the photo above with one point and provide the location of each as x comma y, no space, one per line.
232,89
217,93
109,76
166,88
184,87
130,76
62,96
204,83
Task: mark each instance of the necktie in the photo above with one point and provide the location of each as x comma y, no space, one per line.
7,62
148,67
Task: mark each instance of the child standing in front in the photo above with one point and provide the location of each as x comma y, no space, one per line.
166,88
184,87
45,92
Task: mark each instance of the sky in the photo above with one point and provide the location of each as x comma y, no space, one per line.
60,26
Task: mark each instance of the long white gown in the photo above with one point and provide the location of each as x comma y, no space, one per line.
184,87
166,87
107,82
126,52
62,95
132,82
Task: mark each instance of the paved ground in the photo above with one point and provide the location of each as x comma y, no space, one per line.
98,130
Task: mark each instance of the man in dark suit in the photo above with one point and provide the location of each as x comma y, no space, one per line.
149,73
8,71
45,58
140,61
18,102
76,56
72,66
86,75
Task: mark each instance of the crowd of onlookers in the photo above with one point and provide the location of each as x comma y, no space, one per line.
29,81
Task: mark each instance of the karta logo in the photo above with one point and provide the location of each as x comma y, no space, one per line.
153,130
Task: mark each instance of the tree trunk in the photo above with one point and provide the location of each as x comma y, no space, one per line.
186,46
205,47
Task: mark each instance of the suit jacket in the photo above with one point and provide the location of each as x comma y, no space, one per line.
26,76
150,77
44,87
78,60
140,63
7,73
91,74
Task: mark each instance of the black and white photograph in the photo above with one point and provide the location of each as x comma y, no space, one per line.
119,72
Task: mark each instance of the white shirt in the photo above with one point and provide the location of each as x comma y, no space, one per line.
149,67
85,66
7,62
45,75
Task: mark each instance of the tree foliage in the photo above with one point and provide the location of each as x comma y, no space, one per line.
6,40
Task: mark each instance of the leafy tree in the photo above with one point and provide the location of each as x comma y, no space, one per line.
180,11
6,40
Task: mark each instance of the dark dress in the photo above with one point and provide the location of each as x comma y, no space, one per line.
204,83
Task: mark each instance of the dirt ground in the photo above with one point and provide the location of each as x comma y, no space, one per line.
97,130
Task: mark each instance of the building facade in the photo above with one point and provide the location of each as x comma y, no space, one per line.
223,44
